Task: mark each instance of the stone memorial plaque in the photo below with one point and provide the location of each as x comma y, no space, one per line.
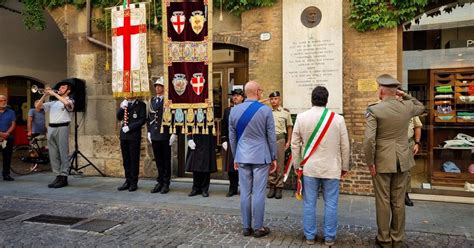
312,52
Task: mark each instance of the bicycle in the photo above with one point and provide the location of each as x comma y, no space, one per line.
30,158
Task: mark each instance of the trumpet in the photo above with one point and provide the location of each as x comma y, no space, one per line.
36,89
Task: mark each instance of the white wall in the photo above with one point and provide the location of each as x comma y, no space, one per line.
40,55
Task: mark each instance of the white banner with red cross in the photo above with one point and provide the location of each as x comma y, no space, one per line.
129,51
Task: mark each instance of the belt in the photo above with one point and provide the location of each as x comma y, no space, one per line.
64,124
280,136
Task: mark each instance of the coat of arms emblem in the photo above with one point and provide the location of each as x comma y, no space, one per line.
198,83
179,83
178,20
197,21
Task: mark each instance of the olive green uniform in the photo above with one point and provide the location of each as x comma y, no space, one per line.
386,146
282,121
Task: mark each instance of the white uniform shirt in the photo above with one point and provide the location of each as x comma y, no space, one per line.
58,113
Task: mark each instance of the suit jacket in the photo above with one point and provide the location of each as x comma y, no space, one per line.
386,141
257,145
136,119
331,156
155,119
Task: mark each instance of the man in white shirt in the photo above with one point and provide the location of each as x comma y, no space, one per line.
58,131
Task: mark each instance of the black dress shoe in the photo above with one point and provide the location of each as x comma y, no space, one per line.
165,189
205,194
53,182
278,193
62,182
271,192
231,192
264,231
8,178
408,201
194,193
247,232
124,186
133,187
157,188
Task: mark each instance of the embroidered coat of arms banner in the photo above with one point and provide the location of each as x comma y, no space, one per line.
187,53
129,51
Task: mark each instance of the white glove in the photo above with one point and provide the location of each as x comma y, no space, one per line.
149,137
191,144
125,129
173,139
124,104
224,145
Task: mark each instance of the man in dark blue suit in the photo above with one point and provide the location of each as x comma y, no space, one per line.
160,142
132,113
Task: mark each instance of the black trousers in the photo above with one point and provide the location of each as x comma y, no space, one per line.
233,180
201,181
7,157
162,153
131,159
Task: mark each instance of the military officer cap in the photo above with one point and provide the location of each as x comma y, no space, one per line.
237,92
159,81
388,81
274,94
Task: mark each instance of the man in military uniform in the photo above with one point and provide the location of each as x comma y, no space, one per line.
161,142
132,113
414,136
389,157
238,97
284,129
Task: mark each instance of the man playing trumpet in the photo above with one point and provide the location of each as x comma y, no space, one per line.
58,130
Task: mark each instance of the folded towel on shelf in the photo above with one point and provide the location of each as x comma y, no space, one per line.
450,167
444,89
444,96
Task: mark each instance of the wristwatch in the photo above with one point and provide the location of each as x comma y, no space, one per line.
417,142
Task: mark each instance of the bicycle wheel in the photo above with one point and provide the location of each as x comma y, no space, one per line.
18,166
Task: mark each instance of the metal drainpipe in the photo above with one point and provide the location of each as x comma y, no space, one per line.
89,29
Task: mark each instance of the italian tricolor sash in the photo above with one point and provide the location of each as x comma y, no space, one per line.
314,140
318,134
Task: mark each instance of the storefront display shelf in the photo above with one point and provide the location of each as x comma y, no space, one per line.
446,127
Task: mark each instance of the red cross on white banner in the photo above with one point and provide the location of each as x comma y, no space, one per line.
127,30
178,20
198,83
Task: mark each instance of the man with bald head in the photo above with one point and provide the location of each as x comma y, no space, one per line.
389,157
7,125
252,137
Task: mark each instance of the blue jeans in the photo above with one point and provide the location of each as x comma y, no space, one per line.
253,182
310,196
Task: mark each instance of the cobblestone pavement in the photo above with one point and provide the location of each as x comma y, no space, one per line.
174,226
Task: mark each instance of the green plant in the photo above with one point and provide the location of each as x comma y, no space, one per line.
375,14
238,6
33,17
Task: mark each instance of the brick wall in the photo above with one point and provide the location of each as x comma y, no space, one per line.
366,55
